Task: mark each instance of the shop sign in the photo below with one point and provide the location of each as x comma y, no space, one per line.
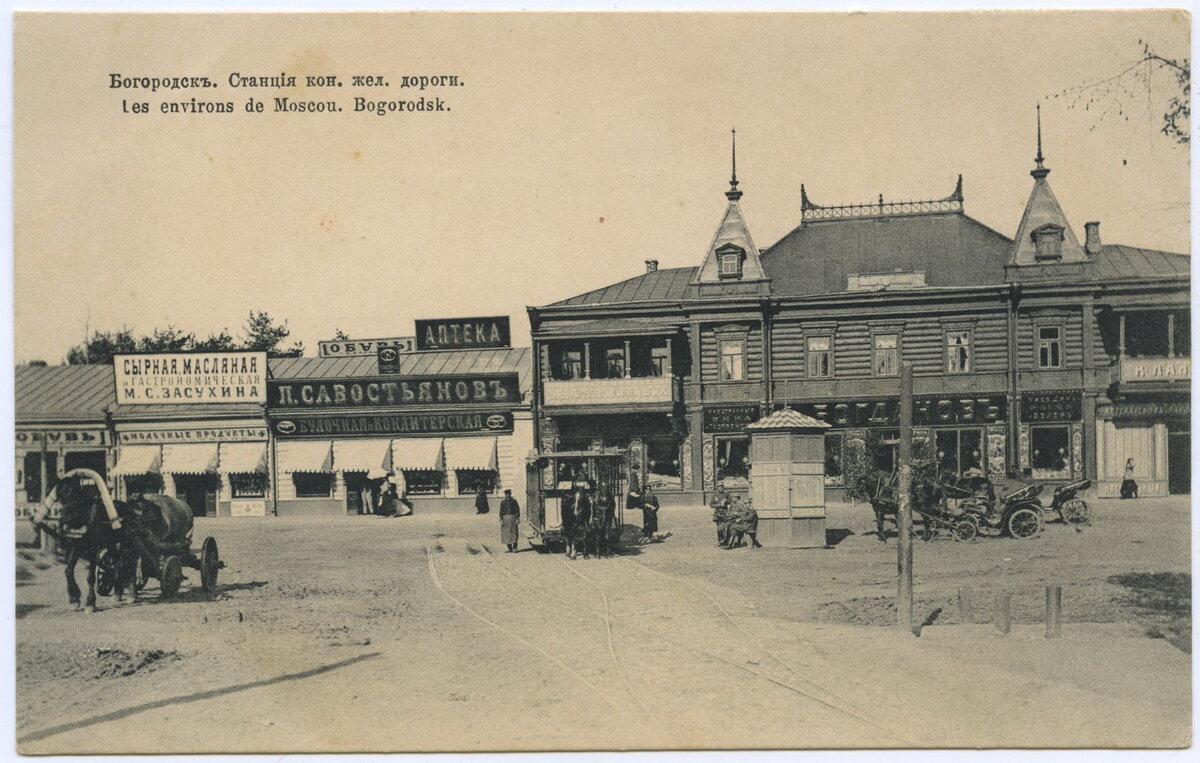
1155,369
31,438
251,507
1149,411
728,419
204,434
386,424
364,348
388,359
463,333
927,411
1051,406
412,390
190,378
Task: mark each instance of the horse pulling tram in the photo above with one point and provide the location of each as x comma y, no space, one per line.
560,484
125,543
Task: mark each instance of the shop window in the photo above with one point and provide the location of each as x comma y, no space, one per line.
471,480
958,352
1050,452
313,484
33,474
423,481
887,354
733,359
887,455
834,469
820,356
614,363
1049,346
143,484
660,361
1182,335
571,366
95,460
662,464
959,452
248,485
733,462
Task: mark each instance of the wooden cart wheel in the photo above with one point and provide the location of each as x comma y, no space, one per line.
171,577
1024,523
210,565
1076,511
965,530
106,572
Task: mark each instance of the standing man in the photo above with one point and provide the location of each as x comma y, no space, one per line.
510,516
649,515
720,506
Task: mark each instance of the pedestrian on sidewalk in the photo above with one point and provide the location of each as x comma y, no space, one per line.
510,517
481,501
1129,486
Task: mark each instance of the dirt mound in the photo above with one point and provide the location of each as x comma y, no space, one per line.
95,663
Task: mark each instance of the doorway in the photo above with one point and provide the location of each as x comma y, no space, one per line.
1179,459
358,493
199,492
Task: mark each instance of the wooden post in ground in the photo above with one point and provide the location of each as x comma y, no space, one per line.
904,598
1053,611
964,605
1004,612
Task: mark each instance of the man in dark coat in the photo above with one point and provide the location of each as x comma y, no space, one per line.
481,501
649,515
720,506
510,516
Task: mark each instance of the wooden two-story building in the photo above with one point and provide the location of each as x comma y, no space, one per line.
1039,352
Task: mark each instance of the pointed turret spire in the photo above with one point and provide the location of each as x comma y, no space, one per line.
733,194
1040,172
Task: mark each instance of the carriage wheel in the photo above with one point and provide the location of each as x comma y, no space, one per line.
107,570
171,577
1076,511
965,530
1024,523
210,565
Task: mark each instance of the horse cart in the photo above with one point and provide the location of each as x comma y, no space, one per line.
129,542
556,481
928,504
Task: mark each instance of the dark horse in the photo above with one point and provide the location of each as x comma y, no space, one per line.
604,517
576,517
883,490
89,532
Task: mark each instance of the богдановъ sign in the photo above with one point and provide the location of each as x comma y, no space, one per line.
412,390
463,333
190,377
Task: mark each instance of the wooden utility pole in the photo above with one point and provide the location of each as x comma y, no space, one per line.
904,597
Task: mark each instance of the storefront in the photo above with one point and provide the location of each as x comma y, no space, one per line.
726,445
658,444
1153,434
45,452
441,438
1050,435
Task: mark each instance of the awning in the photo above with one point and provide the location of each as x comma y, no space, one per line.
242,457
471,453
138,459
305,456
371,456
193,458
418,453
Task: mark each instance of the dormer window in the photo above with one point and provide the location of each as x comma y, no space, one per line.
1048,241
729,261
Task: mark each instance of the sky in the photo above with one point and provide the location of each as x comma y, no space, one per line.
577,146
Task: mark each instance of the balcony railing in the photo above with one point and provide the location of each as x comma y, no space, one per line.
634,391
1139,370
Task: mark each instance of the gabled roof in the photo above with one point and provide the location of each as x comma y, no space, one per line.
951,249
63,393
656,286
732,231
448,363
1043,210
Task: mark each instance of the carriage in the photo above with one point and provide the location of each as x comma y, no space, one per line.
550,479
1072,509
154,541
936,515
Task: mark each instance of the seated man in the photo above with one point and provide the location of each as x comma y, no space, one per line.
745,522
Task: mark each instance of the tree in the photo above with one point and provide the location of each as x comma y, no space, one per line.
1134,85
264,335
217,342
169,339
101,347
340,336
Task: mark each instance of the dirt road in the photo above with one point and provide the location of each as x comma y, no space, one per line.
420,633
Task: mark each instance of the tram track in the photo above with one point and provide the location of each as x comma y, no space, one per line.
833,702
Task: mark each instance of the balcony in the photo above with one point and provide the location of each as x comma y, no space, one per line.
1138,371
645,393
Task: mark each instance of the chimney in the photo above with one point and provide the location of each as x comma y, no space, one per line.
651,266
1093,237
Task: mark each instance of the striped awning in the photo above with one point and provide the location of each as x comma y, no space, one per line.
418,453
471,453
305,456
242,457
138,459
371,456
192,458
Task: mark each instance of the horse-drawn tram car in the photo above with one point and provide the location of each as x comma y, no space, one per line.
575,495
124,543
